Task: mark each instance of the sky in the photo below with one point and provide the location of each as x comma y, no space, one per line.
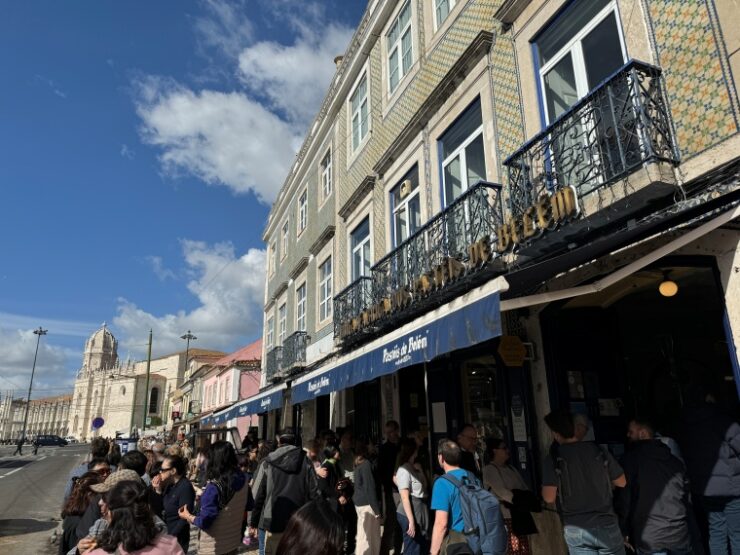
141,145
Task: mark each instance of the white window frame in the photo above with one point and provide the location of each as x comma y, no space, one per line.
435,6
327,182
270,334
403,206
574,47
272,262
326,290
364,76
284,231
300,306
394,50
360,248
302,222
282,322
460,151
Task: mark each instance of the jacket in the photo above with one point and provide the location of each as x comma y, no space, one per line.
174,497
653,508
163,545
224,535
289,482
711,448
365,491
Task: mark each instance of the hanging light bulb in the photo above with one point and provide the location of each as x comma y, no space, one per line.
667,287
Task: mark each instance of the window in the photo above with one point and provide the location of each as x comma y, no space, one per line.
360,246
578,51
463,156
284,239
359,109
300,307
442,10
282,323
270,339
326,183
406,207
153,400
400,49
302,211
227,389
214,393
271,262
325,290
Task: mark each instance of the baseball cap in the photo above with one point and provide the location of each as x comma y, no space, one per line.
125,475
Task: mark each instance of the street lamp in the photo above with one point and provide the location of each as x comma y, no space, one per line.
189,337
39,332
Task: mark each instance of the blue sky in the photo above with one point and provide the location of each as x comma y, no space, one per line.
140,146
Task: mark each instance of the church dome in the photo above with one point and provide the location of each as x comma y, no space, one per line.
101,349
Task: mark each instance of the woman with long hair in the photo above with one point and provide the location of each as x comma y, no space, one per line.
131,528
176,491
222,503
75,507
367,504
314,529
412,512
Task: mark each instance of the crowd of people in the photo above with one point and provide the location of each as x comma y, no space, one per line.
338,494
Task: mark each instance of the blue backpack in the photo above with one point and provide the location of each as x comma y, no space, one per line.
482,520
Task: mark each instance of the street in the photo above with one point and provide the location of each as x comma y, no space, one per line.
31,489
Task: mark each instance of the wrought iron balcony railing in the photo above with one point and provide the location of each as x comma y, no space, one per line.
619,126
351,301
294,351
273,360
474,216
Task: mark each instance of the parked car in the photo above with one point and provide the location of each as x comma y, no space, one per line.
71,439
46,440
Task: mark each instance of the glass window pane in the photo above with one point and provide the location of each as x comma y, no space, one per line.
405,14
602,51
407,53
453,180
560,88
461,130
414,215
393,69
443,10
475,160
566,26
401,226
363,120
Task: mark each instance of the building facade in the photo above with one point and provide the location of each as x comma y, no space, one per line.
505,207
48,415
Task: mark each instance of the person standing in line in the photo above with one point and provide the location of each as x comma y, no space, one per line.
176,491
507,484
314,529
222,503
412,512
653,507
581,425
98,450
289,482
367,504
19,450
710,443
75,507
387,455
580,477
467,439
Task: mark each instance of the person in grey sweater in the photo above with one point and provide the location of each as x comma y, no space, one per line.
367,505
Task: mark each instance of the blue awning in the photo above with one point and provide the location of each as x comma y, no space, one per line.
455,328
260,403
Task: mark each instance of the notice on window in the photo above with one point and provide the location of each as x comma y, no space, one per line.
439,418
518,420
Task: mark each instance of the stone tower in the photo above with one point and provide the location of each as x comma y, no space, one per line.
101,351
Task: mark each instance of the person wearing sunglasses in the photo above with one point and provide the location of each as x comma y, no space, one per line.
176,491
99,465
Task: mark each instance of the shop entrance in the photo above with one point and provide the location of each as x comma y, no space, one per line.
630,350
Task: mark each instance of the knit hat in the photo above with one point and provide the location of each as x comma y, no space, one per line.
125,475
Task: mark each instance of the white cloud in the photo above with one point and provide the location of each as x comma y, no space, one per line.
53,86
70,328
52,376
127,152
294,78
160,270
224,26
229,289
221,138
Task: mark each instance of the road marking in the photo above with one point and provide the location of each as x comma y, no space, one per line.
41,458
12,471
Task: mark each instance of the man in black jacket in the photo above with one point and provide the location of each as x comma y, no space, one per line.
653,507
467,439
286,482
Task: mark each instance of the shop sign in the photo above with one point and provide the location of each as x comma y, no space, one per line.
550,210
512,350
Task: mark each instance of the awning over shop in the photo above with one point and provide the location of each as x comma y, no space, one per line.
263,402
465,321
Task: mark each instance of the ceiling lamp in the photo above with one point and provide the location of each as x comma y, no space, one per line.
667,287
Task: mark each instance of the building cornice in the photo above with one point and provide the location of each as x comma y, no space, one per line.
364,189
322,240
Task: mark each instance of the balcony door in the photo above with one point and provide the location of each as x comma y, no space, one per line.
577,52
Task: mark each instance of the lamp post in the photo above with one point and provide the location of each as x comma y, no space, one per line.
189,337
39,332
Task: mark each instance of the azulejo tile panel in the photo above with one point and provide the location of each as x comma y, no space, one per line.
697,86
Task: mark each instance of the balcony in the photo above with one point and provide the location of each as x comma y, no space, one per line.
450,253
294,352
619,127
273,361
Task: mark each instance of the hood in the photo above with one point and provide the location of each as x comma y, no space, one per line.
288,458
652,449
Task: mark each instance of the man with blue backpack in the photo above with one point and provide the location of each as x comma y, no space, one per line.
468,519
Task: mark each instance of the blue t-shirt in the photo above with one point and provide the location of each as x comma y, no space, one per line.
445,497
